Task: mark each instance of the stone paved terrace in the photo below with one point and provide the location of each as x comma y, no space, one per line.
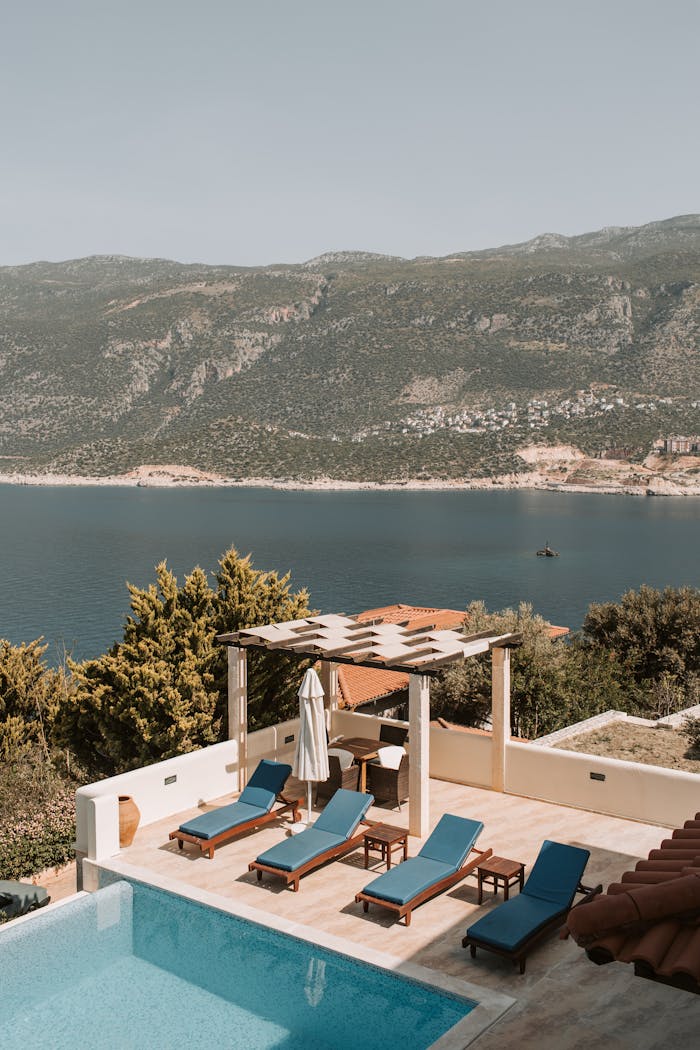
563,1000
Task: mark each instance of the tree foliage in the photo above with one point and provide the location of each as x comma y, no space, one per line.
553,683
30,695
654,632
655,636
161,690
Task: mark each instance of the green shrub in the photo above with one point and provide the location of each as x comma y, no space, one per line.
691,729
37,815
44,839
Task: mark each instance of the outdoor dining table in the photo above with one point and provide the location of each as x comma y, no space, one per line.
363,750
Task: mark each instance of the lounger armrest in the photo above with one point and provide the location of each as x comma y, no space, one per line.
590,893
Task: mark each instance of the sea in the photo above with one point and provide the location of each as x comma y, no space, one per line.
66,553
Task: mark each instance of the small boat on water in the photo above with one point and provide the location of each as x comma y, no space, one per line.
547,552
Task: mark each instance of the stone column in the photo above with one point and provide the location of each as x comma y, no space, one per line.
500,715
329,680
238,708
419,750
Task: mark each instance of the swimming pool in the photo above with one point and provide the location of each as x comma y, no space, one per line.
131,966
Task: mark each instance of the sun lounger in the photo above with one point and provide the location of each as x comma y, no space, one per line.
444,860
252,810
516,925
331,835
17,898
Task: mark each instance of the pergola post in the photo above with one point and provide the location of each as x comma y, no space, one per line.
500,715
238,708
329,680
419,768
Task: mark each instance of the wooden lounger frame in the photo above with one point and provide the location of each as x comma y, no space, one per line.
404,910
519,955
292,878
209,845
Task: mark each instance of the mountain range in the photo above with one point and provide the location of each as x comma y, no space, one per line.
353,365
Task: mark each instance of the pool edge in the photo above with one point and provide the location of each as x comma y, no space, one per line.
490,1005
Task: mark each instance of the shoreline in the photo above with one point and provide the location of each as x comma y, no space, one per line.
169,477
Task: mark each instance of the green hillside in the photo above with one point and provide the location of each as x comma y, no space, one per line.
353,366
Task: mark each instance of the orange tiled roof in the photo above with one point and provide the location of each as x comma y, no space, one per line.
423,615
415,615
557,632
359,685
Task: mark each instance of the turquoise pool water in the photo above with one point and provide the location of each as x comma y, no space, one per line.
133,967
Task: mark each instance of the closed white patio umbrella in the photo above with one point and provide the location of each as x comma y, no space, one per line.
311,757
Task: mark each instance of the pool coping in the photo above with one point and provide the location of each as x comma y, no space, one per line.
490,1005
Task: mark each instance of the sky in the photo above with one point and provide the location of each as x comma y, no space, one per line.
265,131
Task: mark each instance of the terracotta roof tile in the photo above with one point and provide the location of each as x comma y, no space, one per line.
652,916
359,685
415,615
425,615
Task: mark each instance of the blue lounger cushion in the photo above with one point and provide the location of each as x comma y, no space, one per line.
442,855
344,812
223,819
548,892
265,784
513,921
556,873
256,800
293,852
452,840
335,826
404,882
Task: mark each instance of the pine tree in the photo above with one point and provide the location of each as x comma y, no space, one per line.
162,690
248,597
30,695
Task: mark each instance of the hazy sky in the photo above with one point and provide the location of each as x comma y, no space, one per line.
271,130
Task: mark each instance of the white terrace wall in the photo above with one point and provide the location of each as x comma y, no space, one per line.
351,723
464,758
629,789
647,793
171,786
651,794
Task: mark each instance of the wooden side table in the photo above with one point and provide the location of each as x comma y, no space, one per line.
499,871
385,838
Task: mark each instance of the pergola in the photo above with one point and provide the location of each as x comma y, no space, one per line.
421,652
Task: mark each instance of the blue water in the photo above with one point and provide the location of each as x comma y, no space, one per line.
132,967
65,553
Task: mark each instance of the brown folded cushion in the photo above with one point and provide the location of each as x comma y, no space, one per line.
677,897
588,922
636,906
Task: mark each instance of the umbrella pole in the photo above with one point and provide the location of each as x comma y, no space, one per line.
308,800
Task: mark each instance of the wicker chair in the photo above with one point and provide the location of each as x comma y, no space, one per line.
393,734
339,778
389,785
